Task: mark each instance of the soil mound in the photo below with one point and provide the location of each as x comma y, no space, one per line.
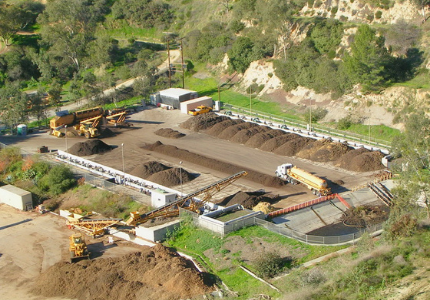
89,147
229,132
244,135
202,122
169,133
278,141
363,216
147,169
220,127
249,199
323,151
260,138
171,177
293,146
153,273
361,160
208,162
107,133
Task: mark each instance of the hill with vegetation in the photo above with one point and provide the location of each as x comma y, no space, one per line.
344,58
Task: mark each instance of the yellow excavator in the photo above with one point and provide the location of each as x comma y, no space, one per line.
77,247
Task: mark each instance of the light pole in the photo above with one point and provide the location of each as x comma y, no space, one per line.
180,175
310,114
65,134
123,168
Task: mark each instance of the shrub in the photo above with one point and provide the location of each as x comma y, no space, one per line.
269,264
344,123
378,14
58,180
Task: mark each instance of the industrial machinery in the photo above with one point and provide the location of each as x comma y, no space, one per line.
64,118
294,175
187,202
92,227
78,247
117,119
201,109
89,127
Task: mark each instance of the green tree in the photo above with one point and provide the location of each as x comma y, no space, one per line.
327,35
369,59
241,54
13,105
414,168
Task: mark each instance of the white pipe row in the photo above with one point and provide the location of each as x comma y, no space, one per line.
108,172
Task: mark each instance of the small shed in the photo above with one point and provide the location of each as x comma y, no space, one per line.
160,197
188,105
174,96
16,197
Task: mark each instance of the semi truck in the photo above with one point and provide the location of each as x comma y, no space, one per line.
295,175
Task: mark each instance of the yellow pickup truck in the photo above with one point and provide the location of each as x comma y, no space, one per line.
200,110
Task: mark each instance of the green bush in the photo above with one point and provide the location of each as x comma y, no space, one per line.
59,179
344,123
269,264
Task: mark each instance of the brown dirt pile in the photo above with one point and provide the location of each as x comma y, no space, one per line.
293,146
202,122
361,160
323,151
229,132
147,169
260,138
249,199
171,177
278,141
153,273
221,126
169,133
181,154
244,135
366,215
89,147
286,144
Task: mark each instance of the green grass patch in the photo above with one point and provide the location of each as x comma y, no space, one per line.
209,87
126,32
196,241
377,132
418,82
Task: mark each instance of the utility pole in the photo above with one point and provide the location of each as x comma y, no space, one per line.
169,66
183,67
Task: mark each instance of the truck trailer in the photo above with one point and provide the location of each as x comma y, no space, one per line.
295,175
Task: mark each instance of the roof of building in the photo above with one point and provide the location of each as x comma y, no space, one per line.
15,190
175,92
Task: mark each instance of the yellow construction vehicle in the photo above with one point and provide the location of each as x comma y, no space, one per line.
89,127
118,119
200,110
78,247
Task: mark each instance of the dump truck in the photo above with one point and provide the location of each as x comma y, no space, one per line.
78,248
201,109
66,118
294,175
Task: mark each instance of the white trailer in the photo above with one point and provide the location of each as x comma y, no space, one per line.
16,197
186,106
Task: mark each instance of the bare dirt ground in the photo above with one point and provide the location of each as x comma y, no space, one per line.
34,263
31,243
148,121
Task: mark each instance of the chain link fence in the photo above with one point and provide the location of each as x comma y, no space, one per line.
306,238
